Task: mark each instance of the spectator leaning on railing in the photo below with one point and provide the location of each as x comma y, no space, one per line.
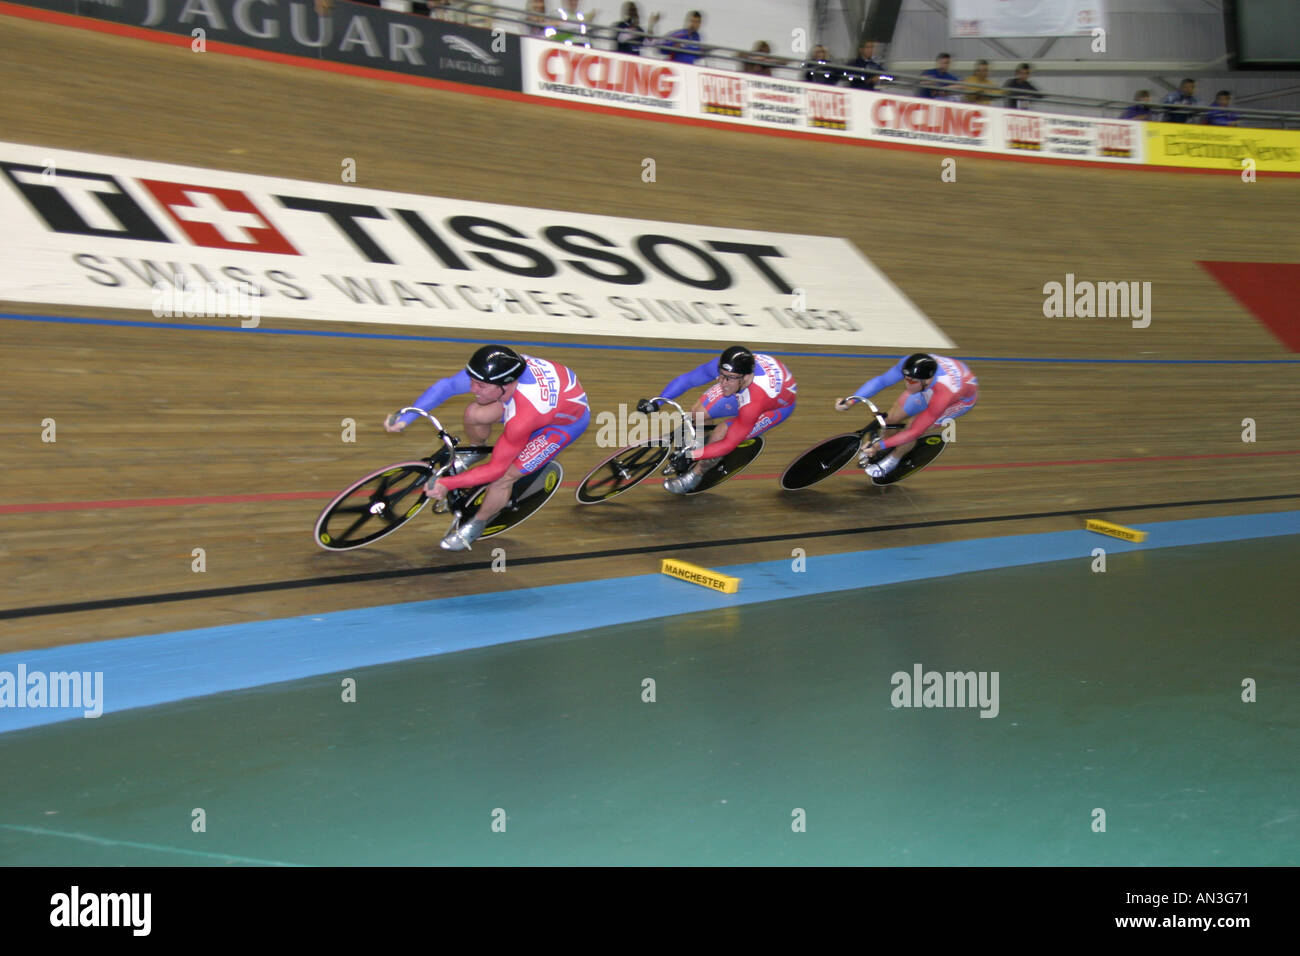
979,88
683,46
937,80
1022,92
629,35
538,22
1185,95
819,69
1221,115
864,72
1141,110
759,62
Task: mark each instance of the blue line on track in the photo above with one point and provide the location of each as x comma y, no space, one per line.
387,336
162,668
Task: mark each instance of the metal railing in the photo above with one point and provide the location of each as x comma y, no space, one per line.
582,33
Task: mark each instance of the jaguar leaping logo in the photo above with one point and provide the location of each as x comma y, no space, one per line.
464,46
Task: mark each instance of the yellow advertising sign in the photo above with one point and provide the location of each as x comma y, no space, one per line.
1223,147
1115,530
701,576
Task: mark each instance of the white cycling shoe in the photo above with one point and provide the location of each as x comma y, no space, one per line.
881,468
464,536
684,483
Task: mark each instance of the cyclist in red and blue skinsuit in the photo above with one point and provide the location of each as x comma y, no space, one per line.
542,405
755,389
936,389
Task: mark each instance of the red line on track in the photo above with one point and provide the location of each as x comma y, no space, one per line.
43,506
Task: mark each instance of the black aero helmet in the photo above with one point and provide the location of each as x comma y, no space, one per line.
495,364
920,365
737,360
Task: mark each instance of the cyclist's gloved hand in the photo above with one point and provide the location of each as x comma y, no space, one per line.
647,406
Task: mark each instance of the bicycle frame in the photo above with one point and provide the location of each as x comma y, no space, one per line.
457,462
689,426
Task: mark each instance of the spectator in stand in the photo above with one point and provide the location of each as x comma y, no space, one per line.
1185,95
760,60
1024,92
819,68
465,14
683,46
865,71
538,23
629,34
937,80
1141,110
571,24
1221,115
979,88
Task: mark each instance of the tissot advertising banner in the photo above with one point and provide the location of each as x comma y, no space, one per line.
84,229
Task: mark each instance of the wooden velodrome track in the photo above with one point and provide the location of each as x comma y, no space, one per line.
147,414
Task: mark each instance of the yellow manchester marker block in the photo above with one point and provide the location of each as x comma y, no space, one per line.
1115,530
701,576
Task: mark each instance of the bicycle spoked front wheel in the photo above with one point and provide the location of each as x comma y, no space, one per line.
624,469
374,506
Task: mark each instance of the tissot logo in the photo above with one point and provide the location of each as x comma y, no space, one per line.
83,203
94,204
229,219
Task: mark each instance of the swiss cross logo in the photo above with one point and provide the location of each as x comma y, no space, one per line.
220,218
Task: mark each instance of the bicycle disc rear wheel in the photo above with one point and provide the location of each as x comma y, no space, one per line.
821,461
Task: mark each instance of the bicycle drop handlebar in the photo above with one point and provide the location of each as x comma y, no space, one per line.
875,412
686,419
442,432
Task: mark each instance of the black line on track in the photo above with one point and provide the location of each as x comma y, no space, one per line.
363,576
